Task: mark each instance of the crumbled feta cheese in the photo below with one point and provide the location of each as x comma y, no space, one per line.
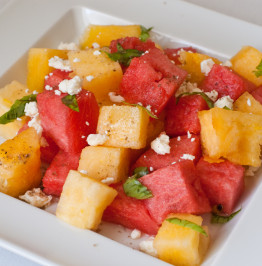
59,63
212,95
83,137
95,45
248,102
48,88
35,122
68,46
135,234
148,107
96,139
250,171
51,74
193,139
178,138
96,52
35,92
139,103
187,87
144,156
115,98
108,180
188,157
84,172
36,197
31,109
151,169
19,119
26,90
161,144
206,66
71,86
57,92
148,247
76,60
87,123
181,50
227,63
224,101
173,163
188,135
89,78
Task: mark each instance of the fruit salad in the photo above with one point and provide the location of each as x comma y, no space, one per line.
122,130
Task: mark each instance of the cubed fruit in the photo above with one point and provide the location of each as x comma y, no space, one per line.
55,77
8,95
20,163
58,170
151,80
68,128
257,94
175,189
103,35
181,246
191,62
245,63
178,147
102,162
226,82
126,126
182,116
38,68
129,212
233,135
100,74
222,182
83,201
174,53
248,104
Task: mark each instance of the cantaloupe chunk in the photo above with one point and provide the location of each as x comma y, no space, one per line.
245,62
20,163
83,201
104,34
126,126
248,104
105,162
233,135
181,246
191,63
100,74
38,68
8,95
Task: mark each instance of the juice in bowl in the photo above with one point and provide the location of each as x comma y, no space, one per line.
157,139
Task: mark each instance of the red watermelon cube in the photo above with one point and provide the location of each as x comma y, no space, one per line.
222,182
58,170
182,117
68,128
130,213
178,147
175,189
174,53
54,78
226,82
257,94
151,80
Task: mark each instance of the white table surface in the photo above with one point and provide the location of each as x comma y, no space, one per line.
248,10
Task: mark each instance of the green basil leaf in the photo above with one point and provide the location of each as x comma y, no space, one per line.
204,96
138,105
188,224
140,171
134,189
258,71
218,219
71,102
17,109
124,56
144,35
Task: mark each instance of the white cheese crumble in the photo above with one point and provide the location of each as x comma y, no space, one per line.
35,122
57,92
36,197
135,234
95,45
161,144
188,135
148,247
151,169
96,139
26,90
224,101
148,107
48,88
19,119
87,123
187,87
187,157
250,171
59,63
193,139
71,86
68,46
115,98
212,95
31,109
206,66
178,138
108,180
76,60
248,102
35,92
83,172
89,78
227,63
96,52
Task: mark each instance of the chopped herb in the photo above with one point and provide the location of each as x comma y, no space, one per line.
17,109
133,188
226,108
138,105
218,219
144,35
124,56
258,71
71,102
204,96
188,224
